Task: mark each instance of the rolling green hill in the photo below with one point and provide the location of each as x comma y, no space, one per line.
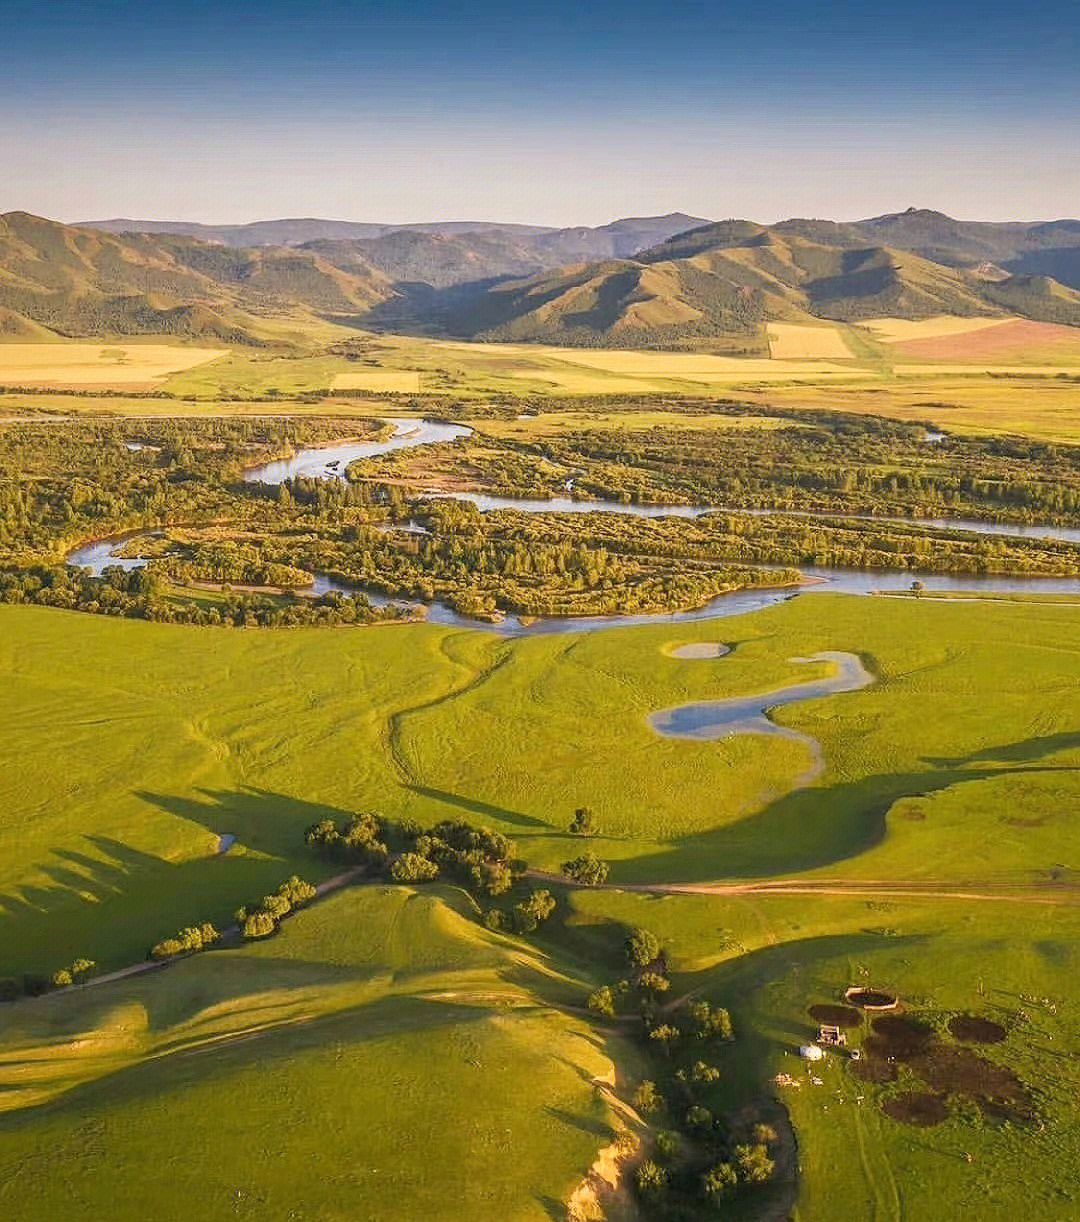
719,281
79,282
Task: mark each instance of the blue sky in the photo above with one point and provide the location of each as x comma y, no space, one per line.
557,113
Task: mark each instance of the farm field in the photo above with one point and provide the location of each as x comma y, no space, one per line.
973,374
953,775
793,341
110,365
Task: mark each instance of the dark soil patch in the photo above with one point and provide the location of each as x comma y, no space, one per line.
898,1038
974,1029
961,1071
835,1016
872,1069
922,1109
870,999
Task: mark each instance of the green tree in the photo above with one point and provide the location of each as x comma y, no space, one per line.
602,1001
704,1073
642,948
665,1037
584,822
654,983
533,912
719,1182
587,869
646,1099
754,1164
651,1180
259,925
412,868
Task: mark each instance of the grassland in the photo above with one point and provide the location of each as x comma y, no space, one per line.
368,1064
381,1013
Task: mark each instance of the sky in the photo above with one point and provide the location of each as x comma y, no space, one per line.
557,113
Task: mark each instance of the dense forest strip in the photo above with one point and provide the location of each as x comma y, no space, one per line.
179,485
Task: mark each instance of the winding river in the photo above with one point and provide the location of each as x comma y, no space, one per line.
332,462
712,719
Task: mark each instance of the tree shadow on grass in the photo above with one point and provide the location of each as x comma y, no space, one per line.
473,806
110,902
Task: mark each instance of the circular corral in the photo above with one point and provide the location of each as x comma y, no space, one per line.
871,999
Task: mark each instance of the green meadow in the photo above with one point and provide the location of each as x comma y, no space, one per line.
383,1055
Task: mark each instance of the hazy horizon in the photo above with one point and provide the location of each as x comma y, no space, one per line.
548,116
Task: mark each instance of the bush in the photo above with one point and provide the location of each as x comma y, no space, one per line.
698,1118
587,869
61,979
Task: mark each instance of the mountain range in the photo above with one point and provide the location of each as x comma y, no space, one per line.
674,280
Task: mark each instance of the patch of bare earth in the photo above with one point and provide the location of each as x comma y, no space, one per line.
835,1016
920,1108
974,1029
603,1189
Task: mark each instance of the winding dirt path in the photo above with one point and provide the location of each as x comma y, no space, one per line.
1016,893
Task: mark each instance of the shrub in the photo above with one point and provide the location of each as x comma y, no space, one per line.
61,979
698,1118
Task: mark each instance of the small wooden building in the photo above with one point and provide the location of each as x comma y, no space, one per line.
831,1037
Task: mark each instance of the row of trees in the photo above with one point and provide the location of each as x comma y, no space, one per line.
262,919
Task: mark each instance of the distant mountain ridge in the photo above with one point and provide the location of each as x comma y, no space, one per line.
673,280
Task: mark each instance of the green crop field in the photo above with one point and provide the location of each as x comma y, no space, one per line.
935,855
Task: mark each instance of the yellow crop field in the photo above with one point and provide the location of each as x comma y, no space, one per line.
800,341
900,330
402,381
97,364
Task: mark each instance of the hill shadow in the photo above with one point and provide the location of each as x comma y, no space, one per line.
808,829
